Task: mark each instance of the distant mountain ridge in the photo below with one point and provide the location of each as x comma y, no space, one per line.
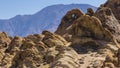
47,19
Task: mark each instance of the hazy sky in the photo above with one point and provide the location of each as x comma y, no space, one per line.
11,8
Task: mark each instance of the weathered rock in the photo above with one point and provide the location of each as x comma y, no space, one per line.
30,54
11,51
66,57
115,7
88,33
109,21
14,45
36,40
109,65
90,12
87,26
84,26
68,20
4,42
91,34
35,37
6,61
51,54
118,56
94,39
33,51
51,39
41,46
27,58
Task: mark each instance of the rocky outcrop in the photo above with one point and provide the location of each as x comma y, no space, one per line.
4,40
118,55
92,42
51,39
109,21
114,5
66,58
90,12
67,21
36,51
15,44
90,27
93,32
87,26
4,44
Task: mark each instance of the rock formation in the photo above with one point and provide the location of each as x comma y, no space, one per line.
67,20
36,51
94,32
114,5
109,21
92,40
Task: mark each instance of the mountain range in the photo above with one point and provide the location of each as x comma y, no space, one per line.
46,19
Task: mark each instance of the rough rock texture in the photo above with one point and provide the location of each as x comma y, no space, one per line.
51,39
109,21
4,42
66,58
93,41
118,55
90,12
87,26
94,32
36,51
115,7
68,20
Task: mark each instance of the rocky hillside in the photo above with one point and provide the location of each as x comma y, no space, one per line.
47,19
114,5
47,50
94,32
82,40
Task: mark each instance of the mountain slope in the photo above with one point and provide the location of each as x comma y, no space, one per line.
46,19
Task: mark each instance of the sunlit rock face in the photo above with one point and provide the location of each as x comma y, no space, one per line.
68,20
82,40
94,31
36,51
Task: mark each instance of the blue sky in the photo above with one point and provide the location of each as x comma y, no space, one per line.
11,8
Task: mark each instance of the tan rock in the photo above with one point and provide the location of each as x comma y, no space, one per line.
90,12
87,26
115,7
15,45
109,21
67,20
66,57
51,39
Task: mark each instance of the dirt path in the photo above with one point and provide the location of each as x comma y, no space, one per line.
91,60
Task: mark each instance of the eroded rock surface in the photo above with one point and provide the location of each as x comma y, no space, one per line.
114,5
67,20
36,51
92,40
109,21
95,33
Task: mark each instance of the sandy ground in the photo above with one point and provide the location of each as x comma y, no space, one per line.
91,60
